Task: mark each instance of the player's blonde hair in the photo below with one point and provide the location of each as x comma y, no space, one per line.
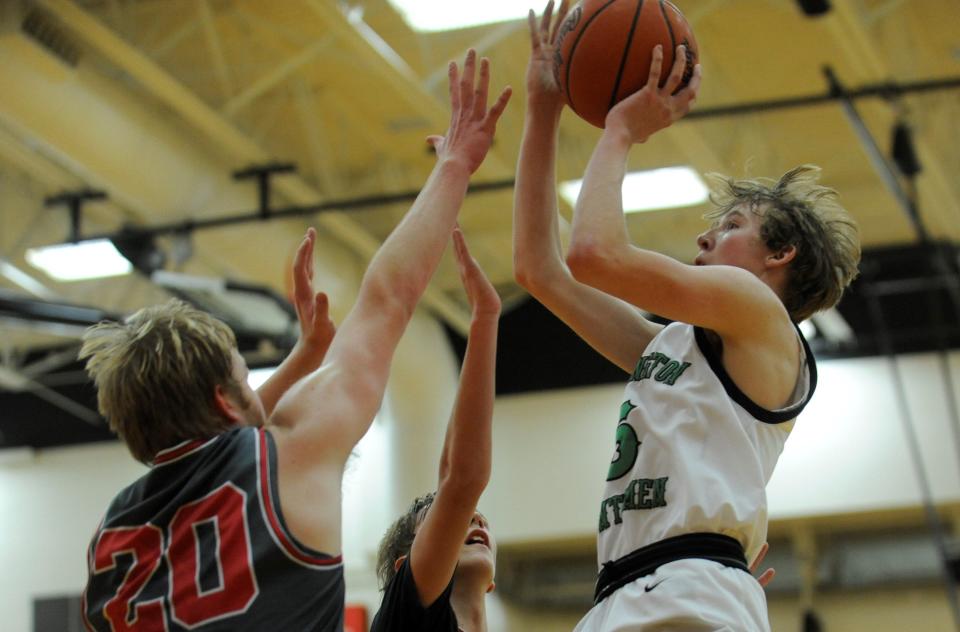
156,374
797,211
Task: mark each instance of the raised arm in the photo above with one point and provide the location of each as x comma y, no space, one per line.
316,329
722,298
329,411
616,330
735,299
465,461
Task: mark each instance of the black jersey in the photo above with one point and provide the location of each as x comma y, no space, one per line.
199,543
401,610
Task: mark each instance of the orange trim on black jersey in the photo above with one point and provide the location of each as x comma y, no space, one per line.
292,548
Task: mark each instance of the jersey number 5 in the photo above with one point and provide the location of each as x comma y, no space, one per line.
628,445
223,511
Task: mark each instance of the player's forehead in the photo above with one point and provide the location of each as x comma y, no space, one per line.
744,212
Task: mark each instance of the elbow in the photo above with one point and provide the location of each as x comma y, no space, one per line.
530,273
587,261
524,273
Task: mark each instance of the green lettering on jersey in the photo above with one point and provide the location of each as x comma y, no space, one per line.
640,493
661,367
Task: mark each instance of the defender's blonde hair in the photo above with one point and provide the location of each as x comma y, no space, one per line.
156,374
798,212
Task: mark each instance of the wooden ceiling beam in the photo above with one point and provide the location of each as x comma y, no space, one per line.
228,139
388,67
280,73
215,46
854,39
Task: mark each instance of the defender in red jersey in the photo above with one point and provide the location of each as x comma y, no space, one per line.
237,524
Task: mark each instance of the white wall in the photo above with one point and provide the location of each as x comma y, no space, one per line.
50,505
847,451
550,452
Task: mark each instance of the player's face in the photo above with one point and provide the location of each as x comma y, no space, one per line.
249,404
734,240
479,550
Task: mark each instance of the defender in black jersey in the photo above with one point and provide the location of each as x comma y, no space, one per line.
237,524
436,562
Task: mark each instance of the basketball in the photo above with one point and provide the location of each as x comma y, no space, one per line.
604,49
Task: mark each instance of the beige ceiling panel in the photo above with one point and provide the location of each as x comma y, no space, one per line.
225,137
348,92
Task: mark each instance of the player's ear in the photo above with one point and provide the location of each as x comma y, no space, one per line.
224,404
397,564
781,257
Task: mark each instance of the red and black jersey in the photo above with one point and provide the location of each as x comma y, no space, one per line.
199,543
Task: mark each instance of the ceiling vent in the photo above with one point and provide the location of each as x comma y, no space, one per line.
42,28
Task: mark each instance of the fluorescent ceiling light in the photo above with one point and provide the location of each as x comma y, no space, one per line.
670,187
83,260
258,376
447,15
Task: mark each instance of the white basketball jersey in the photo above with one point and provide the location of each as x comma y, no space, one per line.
693,453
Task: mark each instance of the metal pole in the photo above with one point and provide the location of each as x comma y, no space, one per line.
913,444
886,172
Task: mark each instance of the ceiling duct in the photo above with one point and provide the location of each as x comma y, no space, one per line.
32,35
43,28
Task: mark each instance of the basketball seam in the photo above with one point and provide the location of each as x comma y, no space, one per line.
673,39
626,54
573,48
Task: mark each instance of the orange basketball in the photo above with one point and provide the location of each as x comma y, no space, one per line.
604,49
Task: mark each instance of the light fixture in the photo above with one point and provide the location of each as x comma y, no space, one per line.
83,260
669,187
257,377
444,15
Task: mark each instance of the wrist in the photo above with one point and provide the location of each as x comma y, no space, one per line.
485,318
547,107
616,137
307,354
454,167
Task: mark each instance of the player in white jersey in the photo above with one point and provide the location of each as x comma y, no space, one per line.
712,396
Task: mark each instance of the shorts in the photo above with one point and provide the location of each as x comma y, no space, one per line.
692,595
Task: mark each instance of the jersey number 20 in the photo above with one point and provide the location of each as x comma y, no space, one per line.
190,604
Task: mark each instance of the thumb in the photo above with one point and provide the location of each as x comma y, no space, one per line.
435,140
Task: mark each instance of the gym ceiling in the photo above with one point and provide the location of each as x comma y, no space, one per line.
157,104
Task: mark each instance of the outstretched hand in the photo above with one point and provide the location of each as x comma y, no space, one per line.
653,108
472,124
481,294
766,576
313,310
542,82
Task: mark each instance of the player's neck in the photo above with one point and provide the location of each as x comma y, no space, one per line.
468,600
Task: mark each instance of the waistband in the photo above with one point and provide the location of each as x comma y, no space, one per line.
643,561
